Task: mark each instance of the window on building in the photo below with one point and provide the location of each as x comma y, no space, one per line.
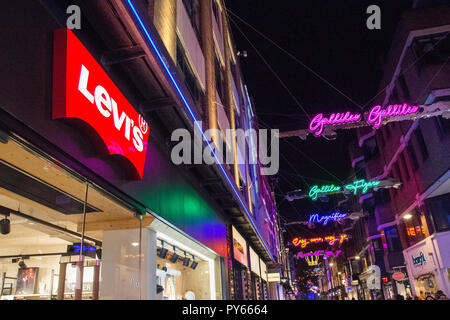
443,126
440,212
421,142
219,78
394,96
433,49
403,86
414,229
193,11
381,137
360,170
190,79
382,196
405,168
393,239
370,149
412,156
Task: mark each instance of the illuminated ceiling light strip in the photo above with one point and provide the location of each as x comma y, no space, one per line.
195,120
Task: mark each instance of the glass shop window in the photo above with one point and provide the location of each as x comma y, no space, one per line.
421,142
180,275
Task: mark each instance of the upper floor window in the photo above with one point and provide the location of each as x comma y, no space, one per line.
421,142
415,230
403,87
392,239
432,49
443,126
193,11
440,211
404,166
370,149
190,79
412,156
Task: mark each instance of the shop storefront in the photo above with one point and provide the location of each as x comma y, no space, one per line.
428,262
80,171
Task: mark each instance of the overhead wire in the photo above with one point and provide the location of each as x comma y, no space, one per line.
295,59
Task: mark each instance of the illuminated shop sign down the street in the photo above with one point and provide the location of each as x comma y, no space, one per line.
358,185
82,90
374,118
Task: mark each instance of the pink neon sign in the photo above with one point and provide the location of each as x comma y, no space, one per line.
376,114
375,117
324,253
319,121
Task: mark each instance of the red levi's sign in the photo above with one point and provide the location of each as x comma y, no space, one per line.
83,90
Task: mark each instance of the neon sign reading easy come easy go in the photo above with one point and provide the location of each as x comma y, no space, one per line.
362,185
375,117
331,240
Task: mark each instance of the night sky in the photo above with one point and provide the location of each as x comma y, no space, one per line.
331,38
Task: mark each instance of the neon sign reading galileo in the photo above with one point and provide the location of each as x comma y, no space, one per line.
375,117
362,185
324,219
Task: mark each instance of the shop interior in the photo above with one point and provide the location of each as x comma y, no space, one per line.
181,274
42,220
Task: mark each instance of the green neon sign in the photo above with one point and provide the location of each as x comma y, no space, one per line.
316,190
361,184
357,185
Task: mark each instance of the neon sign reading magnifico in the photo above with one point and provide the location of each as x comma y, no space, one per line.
324,219
375,117
331,240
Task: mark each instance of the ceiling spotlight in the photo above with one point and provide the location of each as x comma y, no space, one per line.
186,260
22,264
135,244
331,264
407,216
163,253
194,264
357,257
5,226
174,257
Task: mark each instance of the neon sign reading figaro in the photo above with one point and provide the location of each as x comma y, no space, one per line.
375,117
355,186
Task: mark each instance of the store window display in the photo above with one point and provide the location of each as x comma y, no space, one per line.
181,275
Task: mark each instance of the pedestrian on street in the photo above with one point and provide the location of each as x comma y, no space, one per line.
429,298
379,297
416,297
408,297
400,297
422,295
441,294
